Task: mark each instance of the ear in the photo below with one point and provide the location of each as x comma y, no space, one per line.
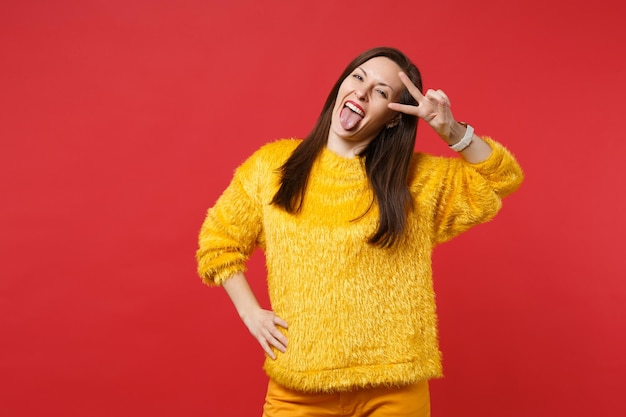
393,122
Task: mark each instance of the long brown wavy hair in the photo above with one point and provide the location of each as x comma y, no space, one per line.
387,156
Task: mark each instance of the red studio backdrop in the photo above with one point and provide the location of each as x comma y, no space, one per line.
122,121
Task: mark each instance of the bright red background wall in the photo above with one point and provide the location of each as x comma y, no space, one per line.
121,121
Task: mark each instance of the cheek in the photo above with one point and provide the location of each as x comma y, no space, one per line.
344,89
383,113
345,86
336,107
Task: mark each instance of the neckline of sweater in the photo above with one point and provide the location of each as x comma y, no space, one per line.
342,167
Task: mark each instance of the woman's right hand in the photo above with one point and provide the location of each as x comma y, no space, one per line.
264,326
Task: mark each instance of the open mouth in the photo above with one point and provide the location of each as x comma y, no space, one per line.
351,115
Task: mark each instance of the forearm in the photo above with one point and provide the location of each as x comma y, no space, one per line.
261,323
241,295
477,151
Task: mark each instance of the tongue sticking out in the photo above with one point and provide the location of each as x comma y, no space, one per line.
349,119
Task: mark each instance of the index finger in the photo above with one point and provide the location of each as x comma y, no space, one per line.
413,90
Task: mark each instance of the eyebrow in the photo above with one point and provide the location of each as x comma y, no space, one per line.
379,83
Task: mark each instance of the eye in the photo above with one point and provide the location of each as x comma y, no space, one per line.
383,93
358,77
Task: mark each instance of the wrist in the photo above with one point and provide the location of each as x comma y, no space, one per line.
248,311
457,130
465,140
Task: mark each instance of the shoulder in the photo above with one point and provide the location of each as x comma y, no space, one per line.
430,172
269,156
279,149
276,152
426,165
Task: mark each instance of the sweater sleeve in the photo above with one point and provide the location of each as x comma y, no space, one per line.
231,229
471,193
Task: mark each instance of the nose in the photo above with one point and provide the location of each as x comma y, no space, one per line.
360,94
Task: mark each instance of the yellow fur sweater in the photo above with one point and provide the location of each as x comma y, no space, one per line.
358,315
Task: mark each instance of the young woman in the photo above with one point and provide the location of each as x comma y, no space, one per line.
348,218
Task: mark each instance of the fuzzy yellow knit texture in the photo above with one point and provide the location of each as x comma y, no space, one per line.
358,315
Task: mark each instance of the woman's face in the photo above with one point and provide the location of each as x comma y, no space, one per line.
360,110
